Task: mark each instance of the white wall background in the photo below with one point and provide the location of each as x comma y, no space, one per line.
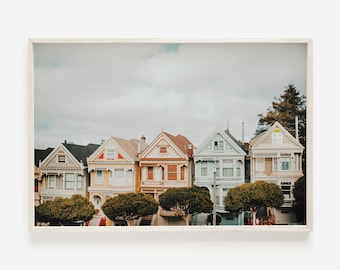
20,20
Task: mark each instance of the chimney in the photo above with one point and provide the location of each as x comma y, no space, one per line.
142,139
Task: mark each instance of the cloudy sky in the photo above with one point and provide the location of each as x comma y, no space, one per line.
87,92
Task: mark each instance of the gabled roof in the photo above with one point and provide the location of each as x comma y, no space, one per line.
131,146
41,154
227,136
237,142
81,152
259,138
180,142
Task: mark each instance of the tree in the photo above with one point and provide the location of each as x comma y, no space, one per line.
299,192
284,110
66,211
186,201
130,207
252,196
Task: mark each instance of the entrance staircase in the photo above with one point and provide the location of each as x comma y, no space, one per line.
146,221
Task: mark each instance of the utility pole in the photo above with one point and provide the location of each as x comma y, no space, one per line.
214,201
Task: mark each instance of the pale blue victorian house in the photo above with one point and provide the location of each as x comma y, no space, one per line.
219,159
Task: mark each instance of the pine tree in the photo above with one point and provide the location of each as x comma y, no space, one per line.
285,110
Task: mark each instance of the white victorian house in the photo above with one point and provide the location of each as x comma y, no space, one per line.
222,154
64,171
276,157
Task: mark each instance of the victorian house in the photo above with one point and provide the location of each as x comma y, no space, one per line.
219,166
166,163
64,171
39,156
276,157
113,169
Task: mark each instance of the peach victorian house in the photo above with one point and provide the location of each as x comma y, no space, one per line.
113,169
166,163
276,157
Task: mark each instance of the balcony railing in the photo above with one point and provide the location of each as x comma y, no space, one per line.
176,183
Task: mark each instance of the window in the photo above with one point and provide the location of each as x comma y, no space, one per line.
285,164
51,181
110,153
110,177
277,137
119,173
99,177
275,162
204,168
129,177
228,167
150,173
218,145
79,182
215,145
182,173
61,158
172,172
119,176
260,164
163,150
69,181
238,168
227,172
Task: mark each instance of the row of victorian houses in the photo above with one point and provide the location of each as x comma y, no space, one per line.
118,165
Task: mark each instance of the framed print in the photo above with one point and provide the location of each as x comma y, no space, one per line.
144,134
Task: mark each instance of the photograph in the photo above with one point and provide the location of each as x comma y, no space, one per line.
170,134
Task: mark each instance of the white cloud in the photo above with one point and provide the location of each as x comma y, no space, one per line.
86,92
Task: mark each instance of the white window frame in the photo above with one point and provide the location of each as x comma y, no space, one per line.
110,154
99,179
119,175
69,181
204,169
228,168
239,168
260,165
277,137
79,182
52,179
61,158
